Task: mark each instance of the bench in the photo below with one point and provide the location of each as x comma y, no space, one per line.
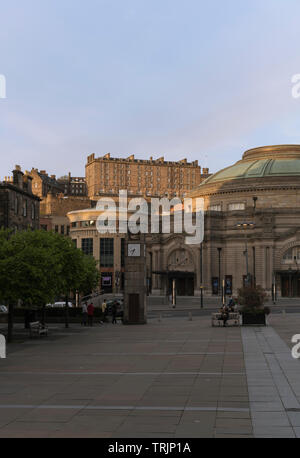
37,328
234,317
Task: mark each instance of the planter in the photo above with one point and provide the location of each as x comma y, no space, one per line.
257,319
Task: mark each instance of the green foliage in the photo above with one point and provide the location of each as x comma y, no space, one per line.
90,275
36,266
252,299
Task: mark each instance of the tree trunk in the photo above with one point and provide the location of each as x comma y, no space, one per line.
67,313
43,319
10,324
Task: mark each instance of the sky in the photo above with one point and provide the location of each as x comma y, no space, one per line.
191,79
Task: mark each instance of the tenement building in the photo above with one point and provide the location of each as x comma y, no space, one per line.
73,186
153,177
19,207
43,183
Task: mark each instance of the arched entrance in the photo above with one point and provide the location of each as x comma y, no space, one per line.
290,273
181,270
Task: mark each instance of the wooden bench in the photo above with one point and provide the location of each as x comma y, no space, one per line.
36,328
234,317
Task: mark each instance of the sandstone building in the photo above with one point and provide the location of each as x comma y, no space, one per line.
43,184
54,209
153,177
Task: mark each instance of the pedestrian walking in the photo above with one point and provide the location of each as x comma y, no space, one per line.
84,314
91,310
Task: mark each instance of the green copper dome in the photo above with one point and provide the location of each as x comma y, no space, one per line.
267,161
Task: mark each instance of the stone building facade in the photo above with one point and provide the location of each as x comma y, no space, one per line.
252,232
43,184
107,249
54,210
73,186
19,207
153,177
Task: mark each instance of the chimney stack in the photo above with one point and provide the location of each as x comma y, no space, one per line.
18,177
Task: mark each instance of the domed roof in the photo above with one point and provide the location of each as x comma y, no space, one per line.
267,161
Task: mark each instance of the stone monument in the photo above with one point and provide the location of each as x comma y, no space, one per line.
135,307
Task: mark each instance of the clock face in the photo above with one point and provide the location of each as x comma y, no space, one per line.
134,250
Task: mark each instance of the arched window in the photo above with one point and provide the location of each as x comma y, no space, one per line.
292,255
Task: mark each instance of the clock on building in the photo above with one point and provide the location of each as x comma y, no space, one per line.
134,250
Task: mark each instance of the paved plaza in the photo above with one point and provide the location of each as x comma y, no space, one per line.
173,378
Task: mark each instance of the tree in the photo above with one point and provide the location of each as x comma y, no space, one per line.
36,266
90,275
252,299
28,269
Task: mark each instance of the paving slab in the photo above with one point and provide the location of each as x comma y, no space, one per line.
174,378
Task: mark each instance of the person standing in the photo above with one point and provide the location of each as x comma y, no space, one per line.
114,313
84,317
104,310
91,310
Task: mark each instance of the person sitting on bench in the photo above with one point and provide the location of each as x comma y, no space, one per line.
224,314
231,304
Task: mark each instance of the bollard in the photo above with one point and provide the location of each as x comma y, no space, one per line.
2,347
159,318
283,313
190,316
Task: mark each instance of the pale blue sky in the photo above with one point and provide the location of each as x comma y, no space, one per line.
199,79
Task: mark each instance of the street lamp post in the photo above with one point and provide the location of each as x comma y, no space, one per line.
219,281
245,226
201,274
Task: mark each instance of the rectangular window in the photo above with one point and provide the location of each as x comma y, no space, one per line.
25,208
12,205
75,242
56,228
16,205
215,208
228,285
215,285
87,246
107,252
62,230
236,206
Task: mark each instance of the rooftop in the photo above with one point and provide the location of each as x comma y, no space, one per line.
266,161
